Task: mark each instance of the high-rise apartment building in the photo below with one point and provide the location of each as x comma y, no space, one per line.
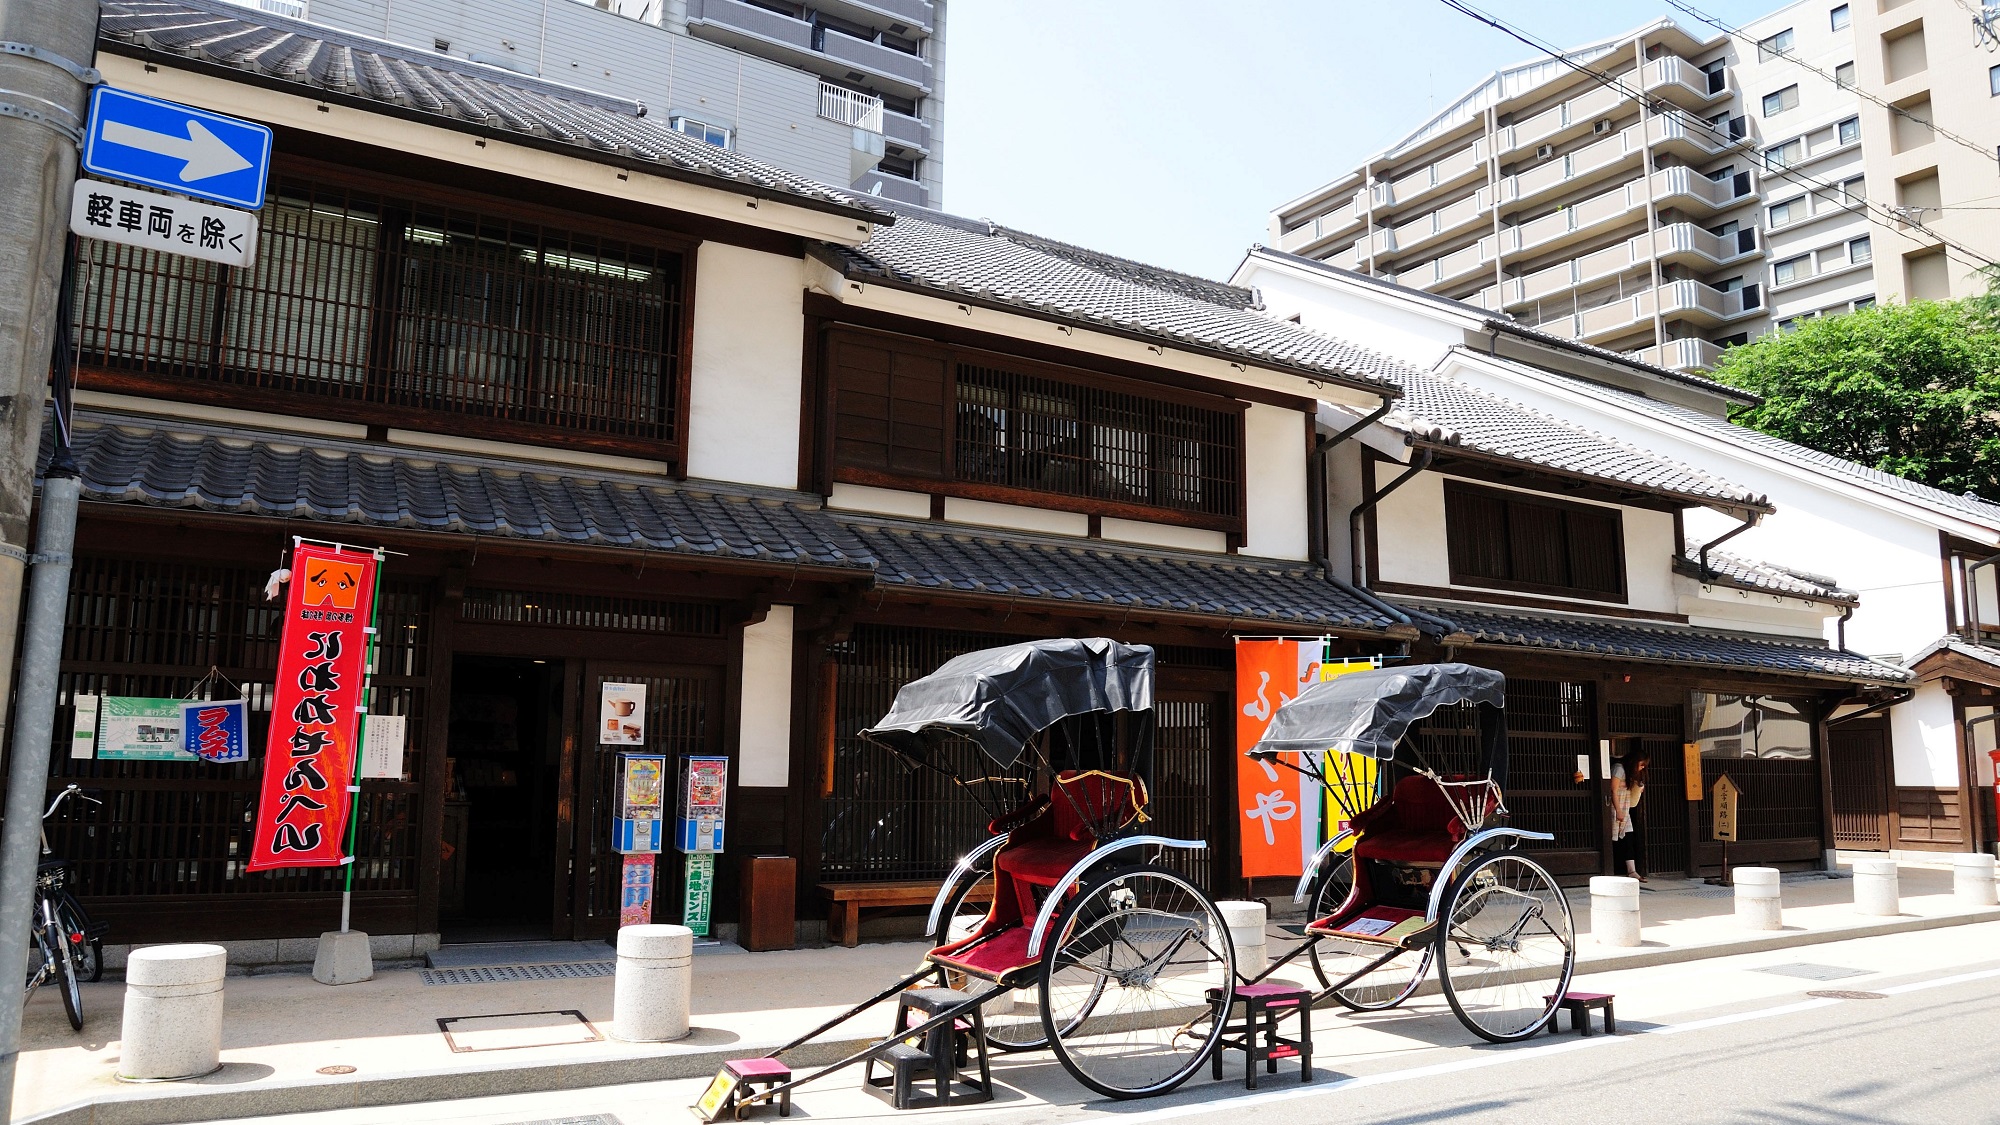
1667,194
848,92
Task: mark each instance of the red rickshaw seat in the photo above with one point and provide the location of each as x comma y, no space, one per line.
1415,825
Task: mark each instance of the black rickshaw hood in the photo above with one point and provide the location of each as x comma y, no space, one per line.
1369,712
1002,697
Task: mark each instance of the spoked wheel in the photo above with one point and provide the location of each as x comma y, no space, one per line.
1334,960
1127,970
72,996
1013,1020
1506,947
88,951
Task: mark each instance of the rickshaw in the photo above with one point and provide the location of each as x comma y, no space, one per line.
1424,869
1064,929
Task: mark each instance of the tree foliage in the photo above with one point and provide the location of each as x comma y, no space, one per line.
1912,389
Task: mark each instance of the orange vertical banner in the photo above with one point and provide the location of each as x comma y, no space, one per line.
1277,808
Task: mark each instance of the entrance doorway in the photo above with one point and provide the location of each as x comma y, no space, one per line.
505,747
1858,757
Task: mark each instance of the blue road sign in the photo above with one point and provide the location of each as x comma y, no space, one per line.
177,148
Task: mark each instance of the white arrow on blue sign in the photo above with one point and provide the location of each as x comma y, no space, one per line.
177,148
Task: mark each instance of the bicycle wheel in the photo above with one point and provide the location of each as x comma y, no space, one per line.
1506,947
1013,1021
57,942
88,951
1128,972
1334,960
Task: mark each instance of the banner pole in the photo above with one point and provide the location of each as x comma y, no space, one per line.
361,741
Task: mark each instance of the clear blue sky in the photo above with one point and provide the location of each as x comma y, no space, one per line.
1166,130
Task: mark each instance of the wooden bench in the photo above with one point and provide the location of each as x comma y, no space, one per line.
843,921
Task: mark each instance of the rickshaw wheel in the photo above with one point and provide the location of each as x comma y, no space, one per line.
1014,1020
1506,947
1127,971
1334,960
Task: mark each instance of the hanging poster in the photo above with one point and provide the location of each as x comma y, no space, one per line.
138,729
635,896
382,747
316,709
699,893
621,715
83,731
214,730
1279,807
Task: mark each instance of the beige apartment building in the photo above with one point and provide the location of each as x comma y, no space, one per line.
1670,194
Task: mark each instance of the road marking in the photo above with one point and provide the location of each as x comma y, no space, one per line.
1517,1055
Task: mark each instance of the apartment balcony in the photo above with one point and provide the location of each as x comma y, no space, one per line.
1685,84
1576,222
893,187
1676,242
874,13
1600,159
1351,213
750,27
1455,218
878,62
1442,174
1578,112
1687,244
1691,191
846,107
910,132
1347,259
1455,266
1674,135
1681,355
1689,301
795,42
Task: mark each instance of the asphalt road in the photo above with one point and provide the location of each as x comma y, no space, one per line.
1724,1040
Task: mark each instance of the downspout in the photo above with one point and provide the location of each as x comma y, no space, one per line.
1701,562
1319,500
1421,462
1840,629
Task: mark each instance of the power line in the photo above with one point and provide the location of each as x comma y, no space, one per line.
1878,214
1873,99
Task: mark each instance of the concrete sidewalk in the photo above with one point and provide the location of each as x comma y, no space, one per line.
282,1032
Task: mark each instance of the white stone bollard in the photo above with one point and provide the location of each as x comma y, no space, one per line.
654,989
1246,932
1614,910
1972,879
1876,888
1758,906
173,1013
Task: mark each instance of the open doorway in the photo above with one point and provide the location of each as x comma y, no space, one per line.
499,850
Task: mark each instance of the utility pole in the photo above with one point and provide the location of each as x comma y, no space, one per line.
45,48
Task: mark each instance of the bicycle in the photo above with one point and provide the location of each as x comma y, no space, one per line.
71,945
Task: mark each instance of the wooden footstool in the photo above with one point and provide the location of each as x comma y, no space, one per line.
1257,1036
1579,1006
754,1074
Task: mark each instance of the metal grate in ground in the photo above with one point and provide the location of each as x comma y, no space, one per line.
499,974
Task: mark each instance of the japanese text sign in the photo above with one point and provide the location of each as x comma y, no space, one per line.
316,709
1279,807
635,893
115,213
214,729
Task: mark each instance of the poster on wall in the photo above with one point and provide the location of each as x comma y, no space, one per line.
621,712
83,729
1280,808
635,895
214,730
316,709
382,747
698,894
139,729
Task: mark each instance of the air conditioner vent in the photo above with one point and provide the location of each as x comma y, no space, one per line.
1601,128
1543,152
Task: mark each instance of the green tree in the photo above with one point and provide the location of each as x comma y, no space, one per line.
1912,389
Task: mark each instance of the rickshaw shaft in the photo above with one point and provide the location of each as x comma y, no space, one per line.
942,1019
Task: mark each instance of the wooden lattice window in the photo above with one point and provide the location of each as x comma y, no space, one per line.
388,308
1515,541
908,413
598,613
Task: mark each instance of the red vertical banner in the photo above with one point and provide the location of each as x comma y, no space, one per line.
1277,809
316,709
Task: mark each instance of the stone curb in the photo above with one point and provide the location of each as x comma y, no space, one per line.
166,1106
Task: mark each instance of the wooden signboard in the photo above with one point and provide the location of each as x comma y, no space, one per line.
1691,764
1725,794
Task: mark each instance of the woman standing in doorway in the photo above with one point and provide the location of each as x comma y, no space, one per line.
1628,784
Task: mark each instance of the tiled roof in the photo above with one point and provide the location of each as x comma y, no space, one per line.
1967,507
966,259
451,92
1444,413
1492,320
1749,574
1660,643
1120,579
171,465
1948,643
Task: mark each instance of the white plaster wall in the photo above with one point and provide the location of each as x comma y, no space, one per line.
1388,325
1725,607
744,392
1923,740
1343,491
1164,535
1015,517
1649,560
765,753
882,501
1274,442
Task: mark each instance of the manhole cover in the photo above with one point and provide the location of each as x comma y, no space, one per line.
517,1029
336,1070
1812,972
1846,994
496,974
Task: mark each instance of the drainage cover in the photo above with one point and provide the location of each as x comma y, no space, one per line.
341,1069
1813,972
496,974
1846,994
517,1029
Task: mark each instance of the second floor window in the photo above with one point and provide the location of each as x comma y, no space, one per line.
1518,541
379,308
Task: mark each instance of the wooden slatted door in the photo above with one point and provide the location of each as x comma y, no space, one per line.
1188,742
1858,756
683,716
1655,729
